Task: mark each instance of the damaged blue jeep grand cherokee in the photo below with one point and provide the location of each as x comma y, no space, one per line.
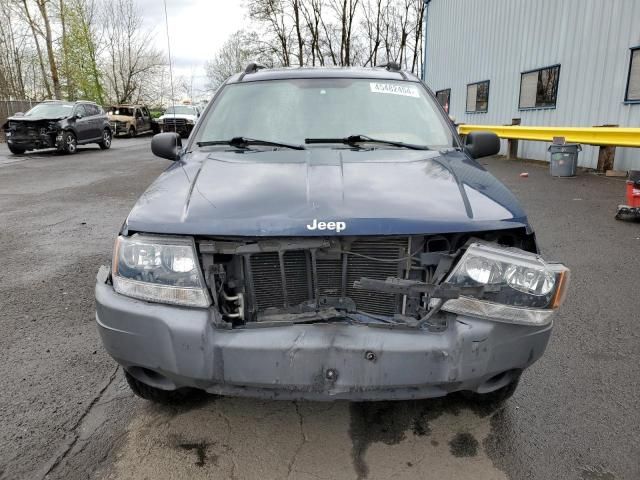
324,234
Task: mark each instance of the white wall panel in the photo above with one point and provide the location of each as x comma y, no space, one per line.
473,40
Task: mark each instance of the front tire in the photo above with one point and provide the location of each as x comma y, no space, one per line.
69,143
105,144
132,132
16,150
156,395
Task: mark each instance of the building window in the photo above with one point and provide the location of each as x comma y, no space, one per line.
444,97
633,80
478,97
539,88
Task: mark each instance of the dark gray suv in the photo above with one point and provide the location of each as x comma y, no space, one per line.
325,234
60,125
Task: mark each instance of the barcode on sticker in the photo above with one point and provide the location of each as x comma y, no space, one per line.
395,89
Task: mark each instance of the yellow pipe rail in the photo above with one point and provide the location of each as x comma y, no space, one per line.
613,136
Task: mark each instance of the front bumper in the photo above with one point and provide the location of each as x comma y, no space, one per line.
118,128
171,347
184,129
33,142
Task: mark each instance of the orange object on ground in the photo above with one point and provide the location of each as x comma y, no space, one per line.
631,211
633,189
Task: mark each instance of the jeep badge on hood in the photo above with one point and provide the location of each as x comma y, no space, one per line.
337,226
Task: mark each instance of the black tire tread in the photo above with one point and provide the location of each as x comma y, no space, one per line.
103,146
16,150
64,140
156,395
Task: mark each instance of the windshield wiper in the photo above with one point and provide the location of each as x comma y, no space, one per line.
244,142
356,139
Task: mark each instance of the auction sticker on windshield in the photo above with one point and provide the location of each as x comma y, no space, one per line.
394,89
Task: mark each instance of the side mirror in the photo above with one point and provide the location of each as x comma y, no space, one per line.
167,145
482,144
77,116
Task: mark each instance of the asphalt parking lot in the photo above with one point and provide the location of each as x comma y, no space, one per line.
66,412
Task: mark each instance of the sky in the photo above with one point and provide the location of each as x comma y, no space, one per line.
197,30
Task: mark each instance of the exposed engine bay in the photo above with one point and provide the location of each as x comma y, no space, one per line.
35,133
383,280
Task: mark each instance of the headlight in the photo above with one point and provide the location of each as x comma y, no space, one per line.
525,290
159,269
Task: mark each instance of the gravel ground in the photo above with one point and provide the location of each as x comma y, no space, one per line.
59,216
66,412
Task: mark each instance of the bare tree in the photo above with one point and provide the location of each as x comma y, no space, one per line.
297,25
130,58
65,51
418,12
404,30
345,11
312,13
48,38
239,49
99,49
393,29
371,25
37,32
272,15
11,56
340,32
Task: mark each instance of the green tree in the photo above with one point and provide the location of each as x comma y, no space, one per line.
80,50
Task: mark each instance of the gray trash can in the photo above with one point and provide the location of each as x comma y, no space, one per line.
564,159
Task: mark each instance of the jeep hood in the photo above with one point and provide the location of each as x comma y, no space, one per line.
278,193
35,119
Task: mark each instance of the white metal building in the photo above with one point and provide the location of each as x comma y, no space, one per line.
547,62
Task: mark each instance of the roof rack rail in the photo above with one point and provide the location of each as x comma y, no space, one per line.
253,67
393,67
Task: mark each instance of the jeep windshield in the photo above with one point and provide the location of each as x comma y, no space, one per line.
50,110
293,110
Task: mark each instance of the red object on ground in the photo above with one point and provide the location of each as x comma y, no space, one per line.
631,211
633,194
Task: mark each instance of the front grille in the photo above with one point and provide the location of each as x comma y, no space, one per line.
28,131
333,276
178,122
22,128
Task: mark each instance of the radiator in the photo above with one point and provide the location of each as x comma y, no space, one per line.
288,279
